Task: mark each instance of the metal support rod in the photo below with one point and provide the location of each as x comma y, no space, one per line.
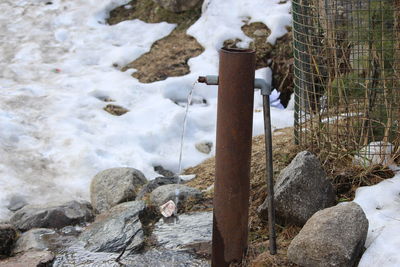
233,156
269,174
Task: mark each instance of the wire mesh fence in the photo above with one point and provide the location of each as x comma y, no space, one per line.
347,77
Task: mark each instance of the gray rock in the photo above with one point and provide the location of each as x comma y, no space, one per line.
164,172
164,193
30,259
113,186
204,147
8,235
17,202
52,216
116,229
33,240
301,190
157,182
165,258
191,232
177,5
332,237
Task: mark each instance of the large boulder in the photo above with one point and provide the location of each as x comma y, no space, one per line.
191,232
177,5
52,216
117,229
33,240
8,235
332,237
301,190
165,193
113,186
155,183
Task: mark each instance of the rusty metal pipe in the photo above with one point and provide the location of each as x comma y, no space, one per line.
233,155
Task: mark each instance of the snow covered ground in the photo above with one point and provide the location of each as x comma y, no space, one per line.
56,68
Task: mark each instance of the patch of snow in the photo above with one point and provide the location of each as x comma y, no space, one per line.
59,62
381,204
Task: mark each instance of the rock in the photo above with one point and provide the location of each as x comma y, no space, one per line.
332,237
33,240
164,172
204,147
52,216
171,258
113,186
375,153
164,193
302,189
177,5
191,232
116,229
157,182
260,33
16,202
8,235
29,259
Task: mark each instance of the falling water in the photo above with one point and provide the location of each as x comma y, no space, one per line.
188,103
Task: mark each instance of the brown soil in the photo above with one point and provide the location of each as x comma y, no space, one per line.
278,57
168,57
115,110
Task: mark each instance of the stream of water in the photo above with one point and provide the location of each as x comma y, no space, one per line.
188,103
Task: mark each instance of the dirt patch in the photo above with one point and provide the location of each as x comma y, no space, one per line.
115,110
168,57
278,57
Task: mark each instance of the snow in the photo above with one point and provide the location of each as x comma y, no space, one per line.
59,61
381,204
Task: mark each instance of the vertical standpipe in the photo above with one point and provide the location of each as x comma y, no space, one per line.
233,155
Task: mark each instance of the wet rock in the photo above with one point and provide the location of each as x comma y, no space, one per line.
52,216
163,194
17,202
332,237
113,186
165,258
33,240
204,147
191,232
164,172
8,235
30,259
157,182
116,229
177,5
301,190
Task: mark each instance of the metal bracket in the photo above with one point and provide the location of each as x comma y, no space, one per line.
261,84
